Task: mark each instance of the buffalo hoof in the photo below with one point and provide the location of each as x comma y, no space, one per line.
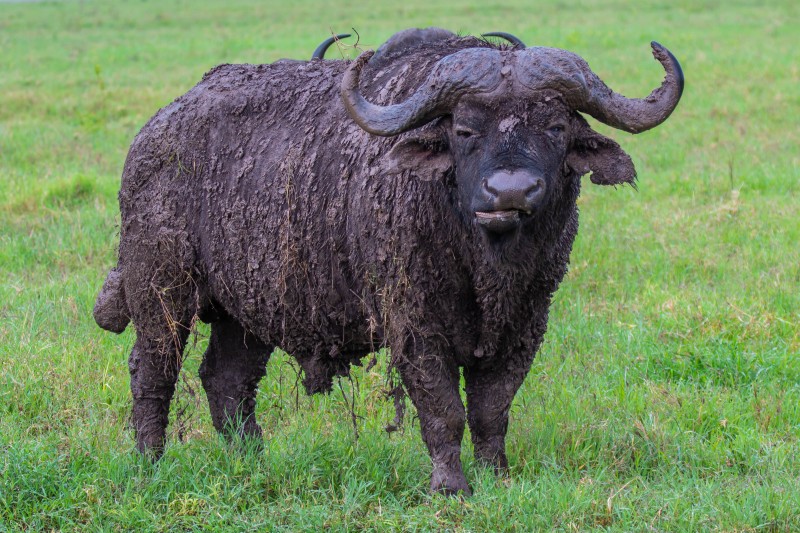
151,446
492,459
449,482
235,430
249,443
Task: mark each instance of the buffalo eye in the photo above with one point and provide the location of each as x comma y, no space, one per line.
467,139
556,130
464,133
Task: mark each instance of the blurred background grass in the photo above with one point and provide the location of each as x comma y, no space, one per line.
665,396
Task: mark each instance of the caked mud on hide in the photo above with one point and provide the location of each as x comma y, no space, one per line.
423,199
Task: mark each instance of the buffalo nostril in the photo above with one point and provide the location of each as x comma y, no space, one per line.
491,190
535,188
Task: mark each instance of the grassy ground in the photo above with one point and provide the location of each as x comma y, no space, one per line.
666,396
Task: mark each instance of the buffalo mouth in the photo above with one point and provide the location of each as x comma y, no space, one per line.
499,221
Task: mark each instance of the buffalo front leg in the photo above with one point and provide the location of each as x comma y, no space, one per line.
432,384
490,392
233,364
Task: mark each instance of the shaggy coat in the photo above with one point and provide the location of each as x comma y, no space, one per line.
255,203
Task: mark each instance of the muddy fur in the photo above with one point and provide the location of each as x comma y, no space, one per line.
256,204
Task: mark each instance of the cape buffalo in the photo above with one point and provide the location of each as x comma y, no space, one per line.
425,202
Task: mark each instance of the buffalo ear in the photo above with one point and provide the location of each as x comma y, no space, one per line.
425,155
604,158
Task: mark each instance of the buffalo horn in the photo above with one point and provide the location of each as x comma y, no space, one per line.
319,53
513,39
472,70
477,70
635,115
569,74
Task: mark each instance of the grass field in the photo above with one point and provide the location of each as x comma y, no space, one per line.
666,395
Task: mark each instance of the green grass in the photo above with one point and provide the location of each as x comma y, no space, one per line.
666,396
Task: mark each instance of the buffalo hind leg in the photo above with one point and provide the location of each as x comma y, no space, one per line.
233,364
154,364
490,392
432,384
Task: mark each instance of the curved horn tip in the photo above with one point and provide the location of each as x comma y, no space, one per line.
319,53
353,72
361,60
670,62
513,39
660,52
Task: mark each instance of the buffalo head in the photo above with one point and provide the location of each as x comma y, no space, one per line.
506,125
